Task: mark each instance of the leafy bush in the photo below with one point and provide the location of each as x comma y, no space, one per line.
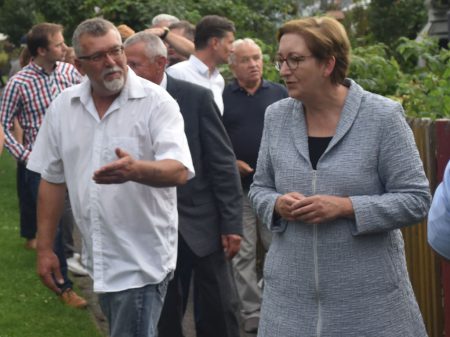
416,73
374,69
391,19
425,90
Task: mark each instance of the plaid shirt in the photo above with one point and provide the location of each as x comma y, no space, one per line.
27,96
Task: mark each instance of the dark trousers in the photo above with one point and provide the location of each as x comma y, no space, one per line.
29,188
215,301
67,224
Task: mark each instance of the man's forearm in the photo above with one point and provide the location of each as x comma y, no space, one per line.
160,173
15,147
182,45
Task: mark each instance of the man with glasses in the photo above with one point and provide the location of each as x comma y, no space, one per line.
245,100
117,141
27,97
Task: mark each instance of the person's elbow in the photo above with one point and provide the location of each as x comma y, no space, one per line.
182,176
2,139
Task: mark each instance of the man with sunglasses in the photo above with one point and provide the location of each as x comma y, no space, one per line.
27,97
117,141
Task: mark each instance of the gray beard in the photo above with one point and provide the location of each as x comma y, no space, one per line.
115,85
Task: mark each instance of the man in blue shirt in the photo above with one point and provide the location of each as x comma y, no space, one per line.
245,102
439,217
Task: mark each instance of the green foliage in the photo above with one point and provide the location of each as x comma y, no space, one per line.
356,22
65,13
251,18
136,14
374,70
391,19
425,90
416,73
4,58
381,62
18,16
410,52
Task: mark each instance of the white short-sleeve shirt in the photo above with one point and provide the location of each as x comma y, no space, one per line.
129,230
195,71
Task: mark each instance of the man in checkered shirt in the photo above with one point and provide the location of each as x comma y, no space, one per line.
26,97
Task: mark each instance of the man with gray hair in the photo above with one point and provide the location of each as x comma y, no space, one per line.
209,205
164,20
245,101
117,142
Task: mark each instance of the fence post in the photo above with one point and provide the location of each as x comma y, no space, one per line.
442,156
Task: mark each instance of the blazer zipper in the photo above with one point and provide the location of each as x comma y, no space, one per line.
316,263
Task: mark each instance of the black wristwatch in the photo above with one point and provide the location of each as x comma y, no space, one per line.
164,35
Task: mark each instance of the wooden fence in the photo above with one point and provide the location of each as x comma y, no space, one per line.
430,275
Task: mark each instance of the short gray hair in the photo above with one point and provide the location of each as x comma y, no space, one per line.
93,27
241,42
164,17
153,44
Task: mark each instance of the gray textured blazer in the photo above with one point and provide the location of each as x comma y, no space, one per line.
346,277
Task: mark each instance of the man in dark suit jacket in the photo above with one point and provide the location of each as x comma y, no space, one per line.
209,206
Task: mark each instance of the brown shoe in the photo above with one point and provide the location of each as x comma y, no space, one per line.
31,244
70,298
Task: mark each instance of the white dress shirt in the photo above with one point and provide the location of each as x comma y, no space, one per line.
195,71
129,230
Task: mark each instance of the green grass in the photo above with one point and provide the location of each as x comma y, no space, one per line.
27,308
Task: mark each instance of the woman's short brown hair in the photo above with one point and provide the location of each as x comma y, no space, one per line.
325,38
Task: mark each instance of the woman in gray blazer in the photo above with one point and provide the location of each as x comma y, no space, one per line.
338,174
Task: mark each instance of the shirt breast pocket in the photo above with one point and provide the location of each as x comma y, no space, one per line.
127,144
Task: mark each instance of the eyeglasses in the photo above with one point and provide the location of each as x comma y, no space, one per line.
100,56
292,61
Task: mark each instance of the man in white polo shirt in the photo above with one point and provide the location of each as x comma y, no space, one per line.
117,141
214,36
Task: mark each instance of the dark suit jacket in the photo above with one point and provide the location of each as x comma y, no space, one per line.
210,204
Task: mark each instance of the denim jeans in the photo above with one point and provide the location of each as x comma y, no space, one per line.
134,312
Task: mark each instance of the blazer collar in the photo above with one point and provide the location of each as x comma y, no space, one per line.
349,113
